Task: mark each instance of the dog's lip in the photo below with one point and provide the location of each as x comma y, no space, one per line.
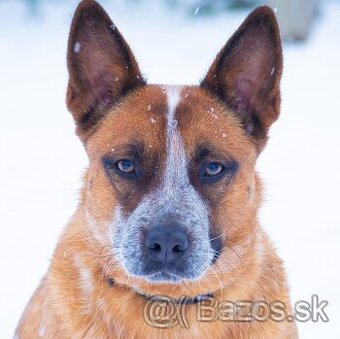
164,298
168,277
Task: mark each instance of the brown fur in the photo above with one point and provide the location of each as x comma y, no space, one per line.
76,298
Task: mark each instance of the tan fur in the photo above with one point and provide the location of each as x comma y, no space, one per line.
75,299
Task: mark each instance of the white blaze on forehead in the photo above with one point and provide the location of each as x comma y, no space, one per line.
175,167
173,95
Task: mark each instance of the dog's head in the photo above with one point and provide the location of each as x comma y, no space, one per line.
171,191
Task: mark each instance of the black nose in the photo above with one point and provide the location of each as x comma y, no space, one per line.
166,244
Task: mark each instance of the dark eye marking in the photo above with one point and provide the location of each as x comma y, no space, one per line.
126,168
211,170
126,162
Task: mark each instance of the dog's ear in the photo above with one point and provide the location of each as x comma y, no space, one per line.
246,73
101,66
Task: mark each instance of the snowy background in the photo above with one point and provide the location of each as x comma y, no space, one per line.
41,160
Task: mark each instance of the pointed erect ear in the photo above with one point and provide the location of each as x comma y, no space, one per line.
102,68
246,73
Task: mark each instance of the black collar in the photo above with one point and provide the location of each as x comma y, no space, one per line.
167,299
185,300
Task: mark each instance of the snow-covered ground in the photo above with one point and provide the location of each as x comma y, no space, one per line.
41,160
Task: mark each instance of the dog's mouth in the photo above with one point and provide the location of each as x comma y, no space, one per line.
164,276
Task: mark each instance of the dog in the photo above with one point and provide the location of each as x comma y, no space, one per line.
166,240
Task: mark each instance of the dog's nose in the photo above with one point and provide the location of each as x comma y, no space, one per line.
166,244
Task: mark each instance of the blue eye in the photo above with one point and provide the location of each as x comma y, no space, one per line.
212,169
125,166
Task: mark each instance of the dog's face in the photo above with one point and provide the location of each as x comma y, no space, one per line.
171,190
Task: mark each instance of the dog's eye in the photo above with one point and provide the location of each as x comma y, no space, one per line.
213,169
125,166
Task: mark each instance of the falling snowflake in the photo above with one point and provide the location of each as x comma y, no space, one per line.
77,47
